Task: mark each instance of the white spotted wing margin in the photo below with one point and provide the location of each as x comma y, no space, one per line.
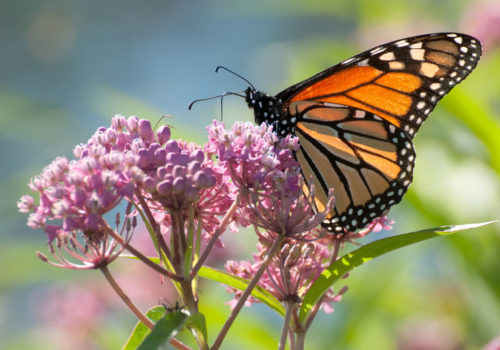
365,159
440,60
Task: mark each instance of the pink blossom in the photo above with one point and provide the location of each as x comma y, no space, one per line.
290,273
74,195
253,155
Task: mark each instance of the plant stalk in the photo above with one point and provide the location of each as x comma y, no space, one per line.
253,282
220,229
286,324
142,257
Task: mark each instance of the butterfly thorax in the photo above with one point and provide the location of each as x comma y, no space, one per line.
268,109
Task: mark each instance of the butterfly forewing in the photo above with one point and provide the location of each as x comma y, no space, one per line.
401,81
365,159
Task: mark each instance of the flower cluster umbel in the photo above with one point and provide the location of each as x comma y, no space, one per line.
188,195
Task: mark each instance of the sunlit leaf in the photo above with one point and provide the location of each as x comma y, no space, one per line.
198,323
163,330
241,284
140,331
366,253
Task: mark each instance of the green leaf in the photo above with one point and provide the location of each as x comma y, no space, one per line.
163,330
140,330
197,322
366,253
241,284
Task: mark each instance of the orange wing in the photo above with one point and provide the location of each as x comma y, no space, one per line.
400,81
365,159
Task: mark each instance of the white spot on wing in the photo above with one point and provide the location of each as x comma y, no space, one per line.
349,60
328,104
359,114
417,54
428,69
363,63
394,65
377,50
388,56
435,86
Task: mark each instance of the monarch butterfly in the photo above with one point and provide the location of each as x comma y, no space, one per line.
355,120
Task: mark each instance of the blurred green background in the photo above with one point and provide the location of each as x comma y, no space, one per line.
66,67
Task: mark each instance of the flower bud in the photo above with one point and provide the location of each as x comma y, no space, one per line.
132,124
172,146
178,185
118,122
163,134
198,155
164,187
159,156
194,166
179,171
149,184
145,130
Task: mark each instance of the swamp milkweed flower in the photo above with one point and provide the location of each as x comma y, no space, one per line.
187,195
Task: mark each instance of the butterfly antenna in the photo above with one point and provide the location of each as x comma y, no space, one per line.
239,76
218,96
163,117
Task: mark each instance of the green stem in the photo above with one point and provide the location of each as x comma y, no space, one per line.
142,257
154,224
125,298
251,285
286,324
143,318
220,229
301,340
188,256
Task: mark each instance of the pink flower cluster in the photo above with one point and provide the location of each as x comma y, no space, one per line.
173,182
254,156
74,195
290,273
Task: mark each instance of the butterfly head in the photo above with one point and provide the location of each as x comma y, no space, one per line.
267,109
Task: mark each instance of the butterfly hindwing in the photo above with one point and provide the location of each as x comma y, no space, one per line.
401,81
365,159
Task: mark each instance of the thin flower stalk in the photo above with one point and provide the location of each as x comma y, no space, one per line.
286,324
251,285
221,229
